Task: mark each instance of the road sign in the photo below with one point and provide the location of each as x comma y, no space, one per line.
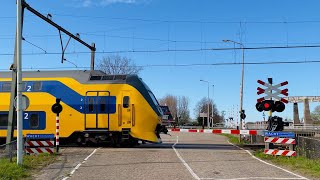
25,102
203,114
279,134
40,136
272,91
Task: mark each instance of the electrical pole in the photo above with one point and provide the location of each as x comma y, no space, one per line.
212,106
19,84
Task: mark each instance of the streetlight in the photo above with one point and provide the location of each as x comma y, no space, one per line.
207,103
242,79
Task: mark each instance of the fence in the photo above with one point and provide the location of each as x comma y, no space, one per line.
8,150
308,147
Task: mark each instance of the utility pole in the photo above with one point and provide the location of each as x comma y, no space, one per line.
208,103
212,106
19,84
17,76
242,79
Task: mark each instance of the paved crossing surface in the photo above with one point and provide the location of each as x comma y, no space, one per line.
181,156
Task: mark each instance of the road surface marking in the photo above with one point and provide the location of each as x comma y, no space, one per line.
254,178
195,176
77,167
300,177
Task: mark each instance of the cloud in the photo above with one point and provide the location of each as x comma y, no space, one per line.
89,3
108,2
86,3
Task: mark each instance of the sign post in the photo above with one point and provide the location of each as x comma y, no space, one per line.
57,108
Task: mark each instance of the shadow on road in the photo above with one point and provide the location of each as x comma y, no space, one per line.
190,146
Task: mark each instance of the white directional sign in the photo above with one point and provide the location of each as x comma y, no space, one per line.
203,114
296,99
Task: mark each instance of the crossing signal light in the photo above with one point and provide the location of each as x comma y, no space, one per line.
279,106
243,115
270,105
259,107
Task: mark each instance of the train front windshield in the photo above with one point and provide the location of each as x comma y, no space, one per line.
154,99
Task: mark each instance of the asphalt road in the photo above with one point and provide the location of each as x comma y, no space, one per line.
181,156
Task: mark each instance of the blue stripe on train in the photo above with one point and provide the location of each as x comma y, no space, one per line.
72,98
32,120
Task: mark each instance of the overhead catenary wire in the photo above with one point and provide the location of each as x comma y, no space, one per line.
187,21
178,21
182,65
175,50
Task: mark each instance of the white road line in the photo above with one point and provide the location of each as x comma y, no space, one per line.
300,177
77,167
195,176
254,178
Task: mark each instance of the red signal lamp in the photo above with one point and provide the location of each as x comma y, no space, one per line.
267,105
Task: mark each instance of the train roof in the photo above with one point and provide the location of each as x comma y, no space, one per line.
83,76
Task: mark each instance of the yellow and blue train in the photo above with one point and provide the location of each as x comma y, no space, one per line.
120,109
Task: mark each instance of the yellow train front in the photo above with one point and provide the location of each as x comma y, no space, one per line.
117,109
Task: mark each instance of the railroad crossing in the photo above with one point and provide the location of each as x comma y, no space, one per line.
183,155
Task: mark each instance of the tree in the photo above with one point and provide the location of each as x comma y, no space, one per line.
315,115
202,107
115,64
178,106
183,110
171,101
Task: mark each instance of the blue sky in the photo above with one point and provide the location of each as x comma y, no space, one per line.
162,25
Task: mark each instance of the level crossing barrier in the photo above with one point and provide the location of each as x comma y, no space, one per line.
279,138
39,143
218,131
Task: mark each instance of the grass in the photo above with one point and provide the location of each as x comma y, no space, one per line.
31,163
300,163
310,167
235,139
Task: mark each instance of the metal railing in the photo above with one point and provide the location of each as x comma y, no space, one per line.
290,127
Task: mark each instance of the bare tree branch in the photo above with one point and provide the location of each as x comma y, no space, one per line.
116,64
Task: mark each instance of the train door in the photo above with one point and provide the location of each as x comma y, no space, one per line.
126,110
96,110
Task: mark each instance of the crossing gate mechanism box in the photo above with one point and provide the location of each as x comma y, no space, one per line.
282,138
39,143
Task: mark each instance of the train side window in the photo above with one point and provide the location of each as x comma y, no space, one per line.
126,101
3,119
37,86
34,121
103,104
91,104
6,87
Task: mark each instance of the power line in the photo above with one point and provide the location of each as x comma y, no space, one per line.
187,65
188,21
174,50
157,39
176,21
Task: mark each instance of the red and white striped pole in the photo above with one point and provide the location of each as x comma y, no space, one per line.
57,108
57,132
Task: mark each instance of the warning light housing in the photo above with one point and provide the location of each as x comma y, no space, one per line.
268,105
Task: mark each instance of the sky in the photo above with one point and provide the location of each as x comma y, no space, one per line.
172,39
